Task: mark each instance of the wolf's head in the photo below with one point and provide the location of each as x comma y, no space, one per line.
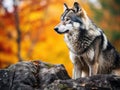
72,19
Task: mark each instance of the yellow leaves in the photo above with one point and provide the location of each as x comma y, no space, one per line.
54,10
25,45
38,39
8,57
35,16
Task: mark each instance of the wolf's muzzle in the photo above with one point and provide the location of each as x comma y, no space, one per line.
56,29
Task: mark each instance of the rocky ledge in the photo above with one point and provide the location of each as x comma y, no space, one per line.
37,75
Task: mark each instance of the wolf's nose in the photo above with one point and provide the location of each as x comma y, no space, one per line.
56,29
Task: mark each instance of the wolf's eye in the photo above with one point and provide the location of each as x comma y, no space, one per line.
67,19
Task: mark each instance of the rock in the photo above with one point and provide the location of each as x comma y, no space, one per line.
98,82
5,79
37,75
31,75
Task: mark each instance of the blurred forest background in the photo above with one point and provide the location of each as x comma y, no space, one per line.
26,29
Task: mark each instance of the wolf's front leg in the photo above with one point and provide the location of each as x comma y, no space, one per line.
77,70
93,69
80,69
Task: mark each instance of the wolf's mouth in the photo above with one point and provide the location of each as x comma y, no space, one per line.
63,32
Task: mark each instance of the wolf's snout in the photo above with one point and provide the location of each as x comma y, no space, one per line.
56,29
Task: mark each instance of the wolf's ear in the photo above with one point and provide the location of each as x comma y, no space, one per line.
65,6
76,7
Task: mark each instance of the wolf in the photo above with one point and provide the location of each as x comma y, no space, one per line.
90,51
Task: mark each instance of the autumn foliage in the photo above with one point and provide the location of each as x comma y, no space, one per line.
38,40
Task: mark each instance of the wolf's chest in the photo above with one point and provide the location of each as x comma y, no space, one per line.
72,41
77,42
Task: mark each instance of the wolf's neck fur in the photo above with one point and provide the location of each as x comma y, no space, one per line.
79,40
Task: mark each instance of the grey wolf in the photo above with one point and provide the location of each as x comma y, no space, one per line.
90,51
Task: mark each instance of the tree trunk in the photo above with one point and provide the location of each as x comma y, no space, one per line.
17,25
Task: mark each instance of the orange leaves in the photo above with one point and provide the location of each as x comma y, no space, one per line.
38,39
